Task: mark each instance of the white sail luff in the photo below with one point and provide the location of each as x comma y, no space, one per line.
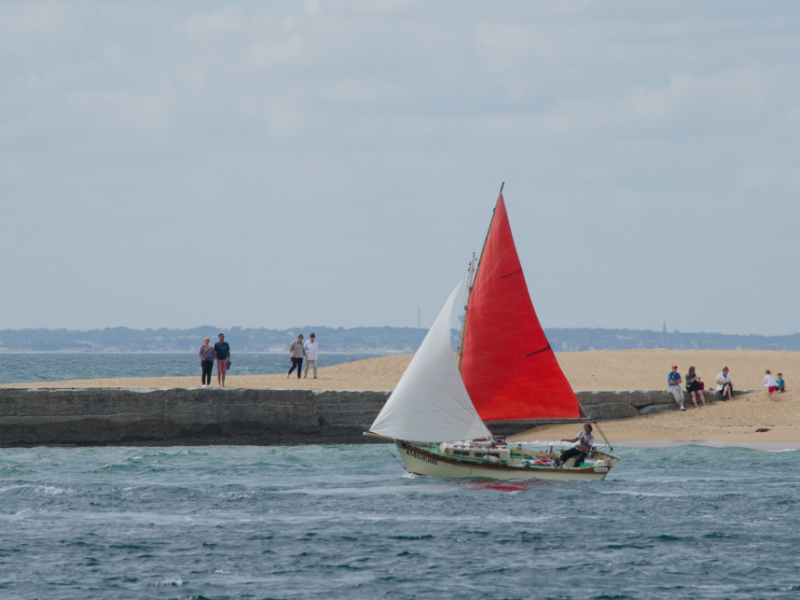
430,402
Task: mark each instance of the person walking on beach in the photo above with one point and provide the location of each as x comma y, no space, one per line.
222,351
674,381
298,351
769,383
311,349
724,385
694,385
206,361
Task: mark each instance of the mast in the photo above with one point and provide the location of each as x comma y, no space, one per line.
473,276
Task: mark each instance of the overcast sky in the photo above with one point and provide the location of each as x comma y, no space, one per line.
172,164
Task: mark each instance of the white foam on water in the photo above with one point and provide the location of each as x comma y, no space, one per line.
49,489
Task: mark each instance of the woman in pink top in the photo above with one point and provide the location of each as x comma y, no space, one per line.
206,360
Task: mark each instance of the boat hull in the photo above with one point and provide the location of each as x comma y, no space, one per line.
421,462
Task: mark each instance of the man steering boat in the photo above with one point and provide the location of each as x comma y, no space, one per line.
585,441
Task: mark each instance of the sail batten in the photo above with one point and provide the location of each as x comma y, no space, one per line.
430,402
508,366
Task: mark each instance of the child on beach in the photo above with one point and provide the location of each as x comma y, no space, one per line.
780,383
769,383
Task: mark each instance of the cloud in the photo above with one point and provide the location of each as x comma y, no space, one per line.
381,131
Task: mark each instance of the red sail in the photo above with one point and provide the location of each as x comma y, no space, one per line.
508,367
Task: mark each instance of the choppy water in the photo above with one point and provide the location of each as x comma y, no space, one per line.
342,522
30,366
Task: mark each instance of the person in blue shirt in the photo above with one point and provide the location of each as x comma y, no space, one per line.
780,384
674,381
222,352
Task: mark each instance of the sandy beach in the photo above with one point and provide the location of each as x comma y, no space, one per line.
733,422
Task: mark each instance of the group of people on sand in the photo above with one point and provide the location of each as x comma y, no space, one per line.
774,385
221,353
695,386
307,351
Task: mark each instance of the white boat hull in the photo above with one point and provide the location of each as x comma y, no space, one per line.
421,462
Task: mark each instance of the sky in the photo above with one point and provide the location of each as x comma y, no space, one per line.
173,164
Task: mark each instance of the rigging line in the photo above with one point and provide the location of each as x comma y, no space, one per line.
460,359
402,464
604,435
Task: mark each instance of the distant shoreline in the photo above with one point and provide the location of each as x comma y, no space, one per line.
4,351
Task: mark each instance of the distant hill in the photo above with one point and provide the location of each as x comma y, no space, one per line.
383,340
378,340
577,340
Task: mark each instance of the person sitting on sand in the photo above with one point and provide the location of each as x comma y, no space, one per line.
780,383
674,380
769,383
724,385
694,385
581,450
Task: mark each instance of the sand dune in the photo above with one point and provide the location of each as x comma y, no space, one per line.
594,370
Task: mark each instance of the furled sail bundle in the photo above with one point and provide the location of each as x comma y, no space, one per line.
508,366
430,402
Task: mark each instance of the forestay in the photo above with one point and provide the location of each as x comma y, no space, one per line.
430,403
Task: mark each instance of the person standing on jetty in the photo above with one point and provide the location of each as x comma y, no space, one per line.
724,385
223,353
206,361
312,349
298,351
674,380
769,383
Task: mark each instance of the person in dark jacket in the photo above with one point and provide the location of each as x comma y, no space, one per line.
694,385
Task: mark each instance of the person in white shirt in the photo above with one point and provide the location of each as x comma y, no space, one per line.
312,349
769,383
724,384
581,450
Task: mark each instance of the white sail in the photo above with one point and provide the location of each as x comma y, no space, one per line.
430,403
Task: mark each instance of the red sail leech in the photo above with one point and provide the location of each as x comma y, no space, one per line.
508,367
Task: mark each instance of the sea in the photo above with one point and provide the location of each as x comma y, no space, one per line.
54,366
322,522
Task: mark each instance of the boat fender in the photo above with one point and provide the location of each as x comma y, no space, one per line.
490,458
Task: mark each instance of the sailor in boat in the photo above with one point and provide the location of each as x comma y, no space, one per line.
582,449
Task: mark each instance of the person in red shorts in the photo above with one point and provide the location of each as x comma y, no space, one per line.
769,383
222,352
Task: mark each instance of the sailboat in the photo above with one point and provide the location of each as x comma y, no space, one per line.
504,373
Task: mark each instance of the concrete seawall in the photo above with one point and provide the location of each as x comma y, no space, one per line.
194,417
